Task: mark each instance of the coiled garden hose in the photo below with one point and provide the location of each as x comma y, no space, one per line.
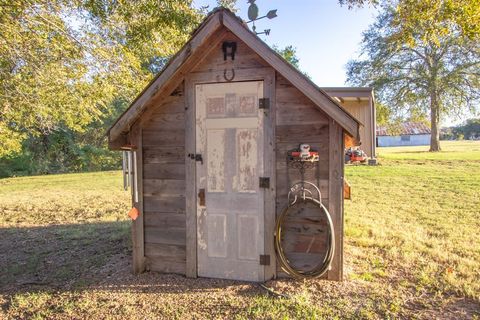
324,265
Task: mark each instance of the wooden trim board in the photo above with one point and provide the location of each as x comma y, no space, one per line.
335,196
191,80
138,236
164,82
183,61
310,90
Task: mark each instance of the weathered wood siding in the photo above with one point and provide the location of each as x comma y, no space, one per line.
164,185
164,165
164,170
245,58
362,111
298,120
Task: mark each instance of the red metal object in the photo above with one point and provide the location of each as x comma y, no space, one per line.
296,154
355,155
133,213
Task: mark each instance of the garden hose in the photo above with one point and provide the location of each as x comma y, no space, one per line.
324,265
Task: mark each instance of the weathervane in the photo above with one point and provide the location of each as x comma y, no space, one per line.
253,16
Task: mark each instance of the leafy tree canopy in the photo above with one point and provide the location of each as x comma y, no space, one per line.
428,76
229,4
434,18
289,53
63,63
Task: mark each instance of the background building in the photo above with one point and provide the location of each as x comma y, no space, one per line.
406,134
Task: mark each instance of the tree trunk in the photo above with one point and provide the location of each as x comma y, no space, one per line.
434,122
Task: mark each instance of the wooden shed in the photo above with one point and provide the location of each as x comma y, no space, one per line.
360,103
212,134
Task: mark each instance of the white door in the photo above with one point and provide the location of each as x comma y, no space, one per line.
230,208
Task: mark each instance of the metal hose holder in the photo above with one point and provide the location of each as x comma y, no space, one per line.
302,192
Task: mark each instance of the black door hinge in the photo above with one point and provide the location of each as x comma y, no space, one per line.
264,259
264,103
264,182
196,157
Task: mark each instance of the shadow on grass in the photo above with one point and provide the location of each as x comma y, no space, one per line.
58,256
80,265
76,257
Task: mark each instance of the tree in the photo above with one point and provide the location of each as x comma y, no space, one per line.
471,129
229,4
289,53
70,66
435,18
426,76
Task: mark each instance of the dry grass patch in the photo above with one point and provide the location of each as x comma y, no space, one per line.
412,250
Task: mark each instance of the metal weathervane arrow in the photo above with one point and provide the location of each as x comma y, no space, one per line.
253,16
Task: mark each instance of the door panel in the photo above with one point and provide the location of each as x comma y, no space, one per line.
229,135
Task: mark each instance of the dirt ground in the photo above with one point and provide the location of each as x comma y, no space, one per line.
84,272
411,250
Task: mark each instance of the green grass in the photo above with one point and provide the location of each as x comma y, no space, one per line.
418,215
451,150
65,198
412,250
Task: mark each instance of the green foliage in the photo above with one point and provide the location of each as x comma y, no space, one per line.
229,4
433,19
67,69
289,53
470,130
357,3
383,114
411,250
420,78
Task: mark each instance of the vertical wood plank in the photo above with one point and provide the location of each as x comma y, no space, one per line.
373,121
138,243
270,171
335,196
190,178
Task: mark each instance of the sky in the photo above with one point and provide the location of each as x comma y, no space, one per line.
325,34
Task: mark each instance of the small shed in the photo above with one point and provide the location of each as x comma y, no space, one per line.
360,103
404,134
211,136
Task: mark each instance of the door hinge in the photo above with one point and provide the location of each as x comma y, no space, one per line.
264,103
264,182
264,259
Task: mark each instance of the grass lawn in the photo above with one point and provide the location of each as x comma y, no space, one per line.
412,250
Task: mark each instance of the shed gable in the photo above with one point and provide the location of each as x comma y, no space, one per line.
209,34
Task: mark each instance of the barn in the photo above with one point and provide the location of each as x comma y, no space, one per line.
213,147
405,134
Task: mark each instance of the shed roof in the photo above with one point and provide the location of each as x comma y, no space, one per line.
405,128
193,51
355,92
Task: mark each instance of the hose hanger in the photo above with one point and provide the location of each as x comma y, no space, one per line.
304,193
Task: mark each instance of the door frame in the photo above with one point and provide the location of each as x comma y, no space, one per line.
267,75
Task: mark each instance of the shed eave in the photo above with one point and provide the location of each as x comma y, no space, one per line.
214,21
